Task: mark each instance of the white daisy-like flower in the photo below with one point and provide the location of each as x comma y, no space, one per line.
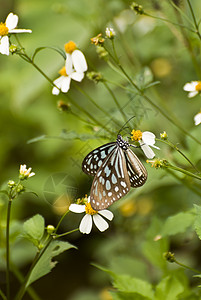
197,119
145,139
25,173
110,33
7,28
91,216
75,58
63,82
193,87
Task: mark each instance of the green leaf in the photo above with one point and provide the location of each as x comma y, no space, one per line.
129,284
61,52
126,296
34,229
169,288
197,223
178,223
45,263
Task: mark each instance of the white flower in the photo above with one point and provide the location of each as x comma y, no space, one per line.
110,33
25,173
75,58
193,87
197,118
145,139
9,27
90,216
63,82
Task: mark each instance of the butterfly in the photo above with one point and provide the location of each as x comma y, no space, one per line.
116,169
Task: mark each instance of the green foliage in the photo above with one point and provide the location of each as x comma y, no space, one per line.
45,263
34,229
197,224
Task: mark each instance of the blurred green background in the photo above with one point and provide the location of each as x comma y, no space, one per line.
28,110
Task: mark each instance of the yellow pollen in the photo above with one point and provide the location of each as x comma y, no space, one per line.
198,86
70,47
3,29
62,72
90,210
136,135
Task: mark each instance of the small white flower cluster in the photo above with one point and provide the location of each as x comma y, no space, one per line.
7,28
74,68
194,88
25,173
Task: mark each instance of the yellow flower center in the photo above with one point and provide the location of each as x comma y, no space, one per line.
62,72
70,47
89,210
136,135
198,86
3,29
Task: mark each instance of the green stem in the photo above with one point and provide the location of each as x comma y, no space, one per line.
8,249
186,267
66,233
2,295
183,171
167,142
194,19
20,277
61,220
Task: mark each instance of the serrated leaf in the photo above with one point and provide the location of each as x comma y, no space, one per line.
197,223
45,263
178,223
129,284
34,229
169,288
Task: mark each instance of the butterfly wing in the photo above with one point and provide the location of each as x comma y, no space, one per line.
111,181
95,158
136,171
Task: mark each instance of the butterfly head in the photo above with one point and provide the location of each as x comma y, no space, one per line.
122,143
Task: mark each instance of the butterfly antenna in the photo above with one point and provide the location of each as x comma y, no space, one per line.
125,124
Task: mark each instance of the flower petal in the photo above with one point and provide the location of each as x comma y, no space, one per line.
197,119
77,208
79,61
147,150
192,94
100,223
11,21
148,138
77,76
4,45
69,64
55,91
65,85
86,224
20,30
106,213
190,86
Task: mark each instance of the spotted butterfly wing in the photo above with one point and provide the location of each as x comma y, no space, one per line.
95,158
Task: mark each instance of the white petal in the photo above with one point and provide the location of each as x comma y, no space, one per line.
69,64
77,76
100,223
11,21
107,214
65,85
4,45
197,119
77,208
20,30
147,150
79,61
86,224
55,91
190,87
148,138
192,94
58,81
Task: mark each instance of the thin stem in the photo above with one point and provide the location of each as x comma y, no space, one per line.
167,142
184,171
186,267
3,295
66,233
194,19
59,223
8,249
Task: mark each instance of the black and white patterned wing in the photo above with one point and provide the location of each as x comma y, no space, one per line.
95,158
111,181
136,171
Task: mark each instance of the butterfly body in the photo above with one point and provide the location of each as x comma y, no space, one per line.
116,169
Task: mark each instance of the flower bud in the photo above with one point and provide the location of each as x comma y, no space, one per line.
50,229
137,8
164,135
